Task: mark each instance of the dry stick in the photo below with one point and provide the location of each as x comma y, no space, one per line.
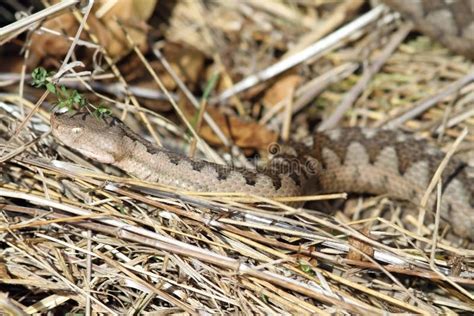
168,297
76,38
209,120
437,178
299,305
394,279
177,247
88,306
202,144
219,224
201,111
427,103
21,88
308,92
9,306
434,245
113,222
55,78
23,147
337,16
357,235
282,11
93,226
312,254
206,34
321,276
65,37
40,15
454,250
77,220
247,235
426,274
374,293
350,98
45,265
313,50
198,125
285,129
122,80
234,265
456,120
28,117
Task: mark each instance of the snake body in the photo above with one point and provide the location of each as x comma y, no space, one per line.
342,160
450,22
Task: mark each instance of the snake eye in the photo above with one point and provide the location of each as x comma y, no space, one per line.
76,130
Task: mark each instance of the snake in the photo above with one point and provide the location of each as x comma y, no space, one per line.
355,160
351,159
451,22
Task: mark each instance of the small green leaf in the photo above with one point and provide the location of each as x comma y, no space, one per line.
78,99
306,268
51,87
64,92
102,111
210,85
121,208
39,76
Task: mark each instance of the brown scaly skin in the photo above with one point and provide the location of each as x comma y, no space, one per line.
451,22
352,159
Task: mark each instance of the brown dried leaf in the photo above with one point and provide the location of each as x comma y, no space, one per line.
4,272
281,89
131,13
361,246
244,133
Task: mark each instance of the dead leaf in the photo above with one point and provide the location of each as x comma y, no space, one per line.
244,133
4,272
281,89
102,22
361,246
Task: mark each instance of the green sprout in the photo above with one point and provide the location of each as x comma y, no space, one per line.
101,111
66,98
306,268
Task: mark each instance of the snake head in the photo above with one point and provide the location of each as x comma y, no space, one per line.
96,138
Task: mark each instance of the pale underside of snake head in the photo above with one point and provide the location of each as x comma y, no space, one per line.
94,137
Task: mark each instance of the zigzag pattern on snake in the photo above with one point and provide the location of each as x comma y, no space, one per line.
342,160
450,22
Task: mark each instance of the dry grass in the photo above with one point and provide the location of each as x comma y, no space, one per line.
80,237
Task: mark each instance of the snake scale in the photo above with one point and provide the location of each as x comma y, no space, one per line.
451,22
355,160
342,160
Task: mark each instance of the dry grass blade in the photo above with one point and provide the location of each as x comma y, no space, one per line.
78,236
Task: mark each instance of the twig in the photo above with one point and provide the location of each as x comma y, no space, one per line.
200,142
354,93
429,102
319,47
38,16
